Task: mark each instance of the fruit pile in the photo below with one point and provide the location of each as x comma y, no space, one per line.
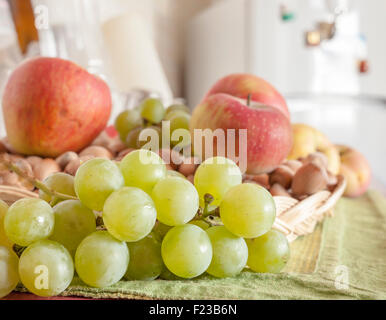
132,220
114,210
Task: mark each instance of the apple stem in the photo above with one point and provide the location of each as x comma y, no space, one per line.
249,99
56,196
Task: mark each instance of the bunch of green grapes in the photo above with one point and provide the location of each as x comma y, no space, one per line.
136,127
150,224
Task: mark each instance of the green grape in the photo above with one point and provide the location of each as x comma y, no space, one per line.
9,275
176,201
216,176
166,274
160,229
200,223
73,222
248,210
186,251
173,173
145,259
59,182
4,241
46,268
101,260
132,137
129,214
269,252
95,180
127,121
179,131
177,107
152,110
143,169
29,220
179,120
176,113
230,253
151,137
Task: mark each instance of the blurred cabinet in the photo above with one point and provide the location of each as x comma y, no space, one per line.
252,36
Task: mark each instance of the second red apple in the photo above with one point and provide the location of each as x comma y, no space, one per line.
269,133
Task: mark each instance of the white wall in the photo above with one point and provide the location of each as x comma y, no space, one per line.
373,24
168,19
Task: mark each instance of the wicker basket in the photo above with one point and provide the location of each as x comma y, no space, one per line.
294,218
12,194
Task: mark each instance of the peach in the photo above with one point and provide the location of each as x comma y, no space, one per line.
355,168
308,140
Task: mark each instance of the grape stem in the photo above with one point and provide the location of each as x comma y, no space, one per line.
18,249
212,222
203,213
215,212
208,199
100,224
56,196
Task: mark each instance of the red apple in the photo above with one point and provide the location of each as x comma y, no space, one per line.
52,105
241,85
269,132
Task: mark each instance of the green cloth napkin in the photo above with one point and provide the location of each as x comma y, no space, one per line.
350,248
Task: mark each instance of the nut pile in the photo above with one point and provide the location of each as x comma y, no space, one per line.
297,178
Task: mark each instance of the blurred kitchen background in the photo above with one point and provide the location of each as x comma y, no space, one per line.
327,57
